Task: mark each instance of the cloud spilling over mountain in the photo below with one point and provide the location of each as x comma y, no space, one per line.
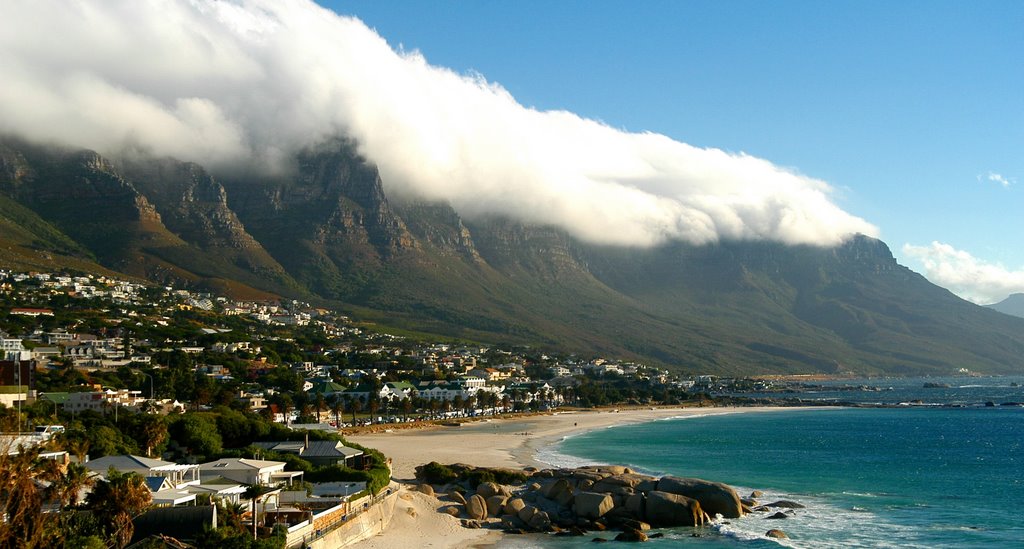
969,277
247,83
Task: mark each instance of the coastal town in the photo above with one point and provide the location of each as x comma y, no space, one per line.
213,419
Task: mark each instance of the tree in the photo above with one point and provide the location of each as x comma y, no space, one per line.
198,431
254,492
374,405
320,405
337,407
116,501
152,432
65,487
23,523
406,408
355,406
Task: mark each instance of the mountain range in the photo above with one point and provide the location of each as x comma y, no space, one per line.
1012,305
327,231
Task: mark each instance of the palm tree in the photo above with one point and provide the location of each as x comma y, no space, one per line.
355,406
153,432
20,500
337,407
254,492
230,514
65,487
320,404
374,405
406,408
116,501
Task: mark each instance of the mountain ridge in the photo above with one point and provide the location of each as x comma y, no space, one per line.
329,232
1013,305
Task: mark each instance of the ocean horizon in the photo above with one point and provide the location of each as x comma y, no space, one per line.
944,469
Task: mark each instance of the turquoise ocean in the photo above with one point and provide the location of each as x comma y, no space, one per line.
945,471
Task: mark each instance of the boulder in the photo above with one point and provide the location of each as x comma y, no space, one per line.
756,494
425,489
584,484
495,504
592,505
476,507
452,510
556,488
512,523
513,506
785,504
526,513
566,498
635,505
663,509
471,524
777,534
777,516
647,485
631,480
715,498
635,525
631,535
618,516
457,497
540,522
488,489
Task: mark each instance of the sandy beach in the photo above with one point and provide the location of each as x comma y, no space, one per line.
495,443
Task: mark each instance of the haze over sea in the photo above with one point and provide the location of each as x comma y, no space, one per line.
925,475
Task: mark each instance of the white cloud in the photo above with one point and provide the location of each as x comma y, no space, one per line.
252,81
965,275
994,177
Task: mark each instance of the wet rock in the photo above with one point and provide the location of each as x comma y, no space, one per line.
777,516
785,504
631,536
777,534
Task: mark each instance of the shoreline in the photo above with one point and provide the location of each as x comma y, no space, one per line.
509,442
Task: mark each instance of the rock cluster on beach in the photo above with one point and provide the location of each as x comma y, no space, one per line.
592,498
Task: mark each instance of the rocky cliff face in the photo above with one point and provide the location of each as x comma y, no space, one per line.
327,230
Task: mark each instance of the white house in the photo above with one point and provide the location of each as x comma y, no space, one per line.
249,471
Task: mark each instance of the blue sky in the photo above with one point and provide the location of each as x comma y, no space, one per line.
913,110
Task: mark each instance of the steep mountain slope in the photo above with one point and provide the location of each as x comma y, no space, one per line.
193,205
1013,305
85,197
329,231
